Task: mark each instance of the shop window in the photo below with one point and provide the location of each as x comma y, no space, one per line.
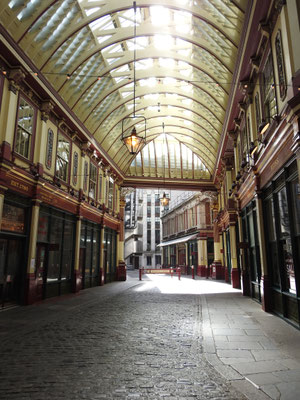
149,261
62,158
271,242
286,243
25,128
157,260
93,181
13,219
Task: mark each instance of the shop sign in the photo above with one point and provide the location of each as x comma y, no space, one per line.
49,148
13,219
21,186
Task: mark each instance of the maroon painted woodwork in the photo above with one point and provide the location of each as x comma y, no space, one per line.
202,271
31,289
121,271
266,299
217,270
76,281
226,275
246,283
235,278
6,151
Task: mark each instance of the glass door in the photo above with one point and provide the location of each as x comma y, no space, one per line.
41,269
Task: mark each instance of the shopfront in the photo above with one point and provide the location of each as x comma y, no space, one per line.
282,222
89,257
109,256
251,249
13,244
55,252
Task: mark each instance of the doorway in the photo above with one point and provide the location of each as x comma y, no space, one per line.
11,274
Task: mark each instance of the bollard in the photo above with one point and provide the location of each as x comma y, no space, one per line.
179,272
140,274
171,272
193,272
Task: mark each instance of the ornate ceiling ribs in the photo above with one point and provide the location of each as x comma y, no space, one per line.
85,50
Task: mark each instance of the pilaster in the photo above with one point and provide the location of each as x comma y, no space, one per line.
77,277
32,282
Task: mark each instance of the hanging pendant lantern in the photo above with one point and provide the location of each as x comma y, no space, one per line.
132,141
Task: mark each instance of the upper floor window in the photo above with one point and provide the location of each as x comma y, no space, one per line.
269,93
25,128
110,193
62,158
93,181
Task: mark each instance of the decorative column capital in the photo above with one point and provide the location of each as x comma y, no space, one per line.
16,76
46,108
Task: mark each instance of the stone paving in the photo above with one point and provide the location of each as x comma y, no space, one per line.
157,339
139,344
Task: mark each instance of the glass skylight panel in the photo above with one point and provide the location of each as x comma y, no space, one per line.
114,48
141,43
169,81
160,15
102,39
90,11
167,62
163,42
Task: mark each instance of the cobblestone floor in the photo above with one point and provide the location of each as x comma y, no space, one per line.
139,344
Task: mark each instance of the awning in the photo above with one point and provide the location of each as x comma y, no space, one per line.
179,240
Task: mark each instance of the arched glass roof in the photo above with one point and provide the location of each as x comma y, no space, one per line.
185,57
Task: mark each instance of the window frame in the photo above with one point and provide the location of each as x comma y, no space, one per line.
68,169
29,159
91,181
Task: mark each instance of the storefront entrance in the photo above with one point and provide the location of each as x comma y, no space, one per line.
11,273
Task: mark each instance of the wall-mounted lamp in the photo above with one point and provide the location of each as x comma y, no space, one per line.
264,125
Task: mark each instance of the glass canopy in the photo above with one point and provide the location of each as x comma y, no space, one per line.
185,57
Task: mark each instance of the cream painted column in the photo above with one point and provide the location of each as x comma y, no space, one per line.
202,256
77,271
1,207
35,212
41,136
235,279
265,282
121,266
9,107
31,281
102,266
